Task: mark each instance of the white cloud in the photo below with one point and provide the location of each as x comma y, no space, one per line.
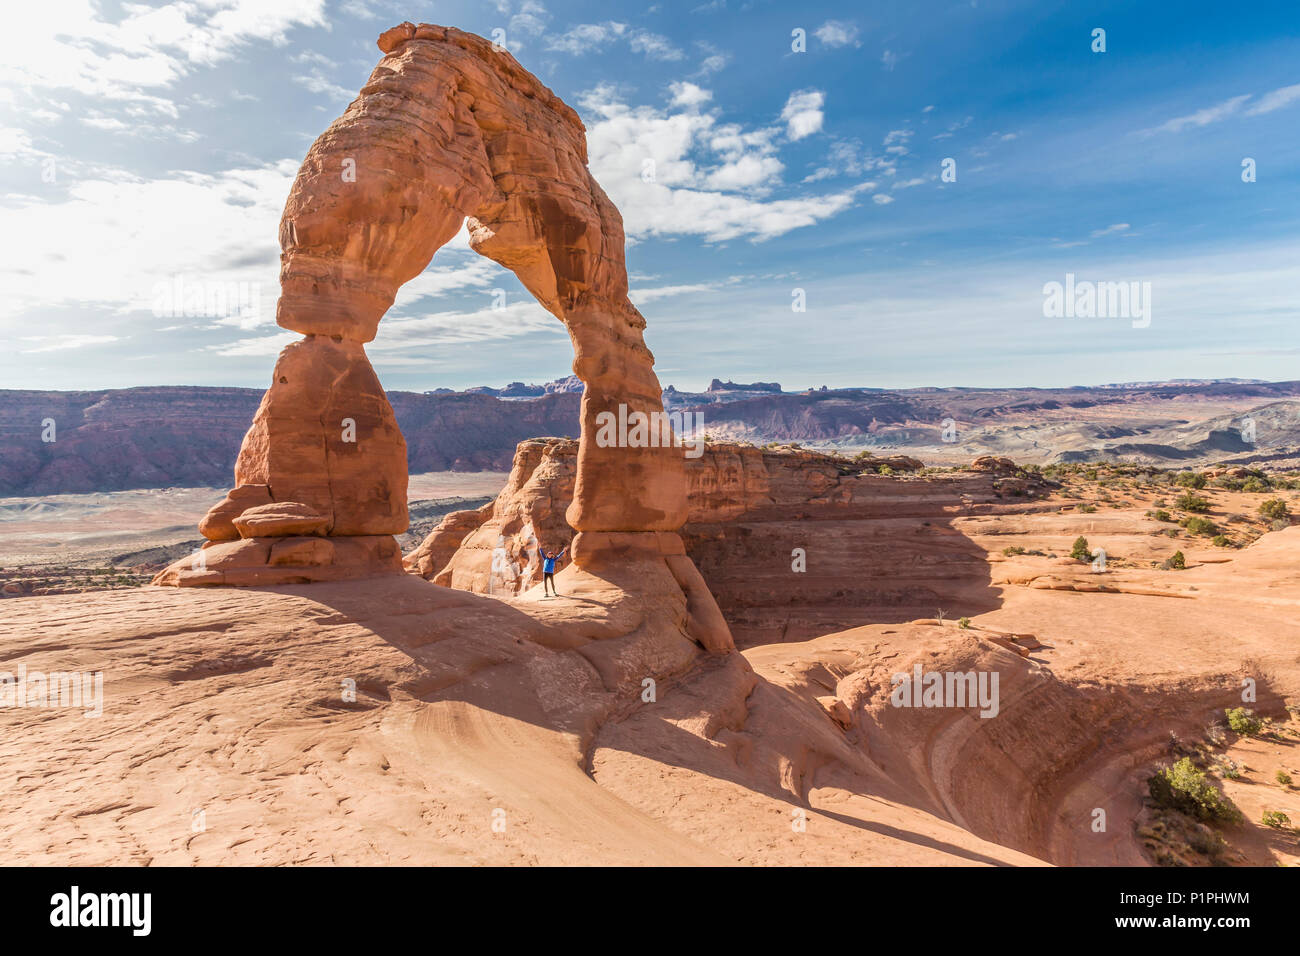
847,158
640,297
1110,230
709,179
358,9
57,343
688,94
1268,102
589,37
837,33
654,46
803,113
586,37
1283,96
531,19
316,82
142,48
889,59
471,272
524,316
1211,114
108,242
16,144
257,346
713,63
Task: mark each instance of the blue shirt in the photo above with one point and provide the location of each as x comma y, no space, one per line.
548,565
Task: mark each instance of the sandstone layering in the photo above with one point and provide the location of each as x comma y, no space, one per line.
447,128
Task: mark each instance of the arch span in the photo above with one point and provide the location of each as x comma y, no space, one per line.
447,128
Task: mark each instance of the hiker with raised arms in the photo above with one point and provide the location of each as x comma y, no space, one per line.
548,569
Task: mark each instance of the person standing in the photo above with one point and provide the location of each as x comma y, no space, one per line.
548,570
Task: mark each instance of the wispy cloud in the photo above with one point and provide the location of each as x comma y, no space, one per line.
1266,103
56,343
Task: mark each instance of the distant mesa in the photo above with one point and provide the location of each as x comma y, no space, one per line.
729,386
517,390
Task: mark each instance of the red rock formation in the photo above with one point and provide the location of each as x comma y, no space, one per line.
449,127
871,547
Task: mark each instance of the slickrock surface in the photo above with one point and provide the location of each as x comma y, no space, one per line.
521,730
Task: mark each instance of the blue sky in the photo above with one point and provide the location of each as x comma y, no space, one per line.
142,146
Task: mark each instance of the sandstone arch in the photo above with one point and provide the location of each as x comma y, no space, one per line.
447,128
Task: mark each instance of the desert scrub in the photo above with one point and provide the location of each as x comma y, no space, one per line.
1275,819
1200,526
1273,509
1254,485
1088,509
1080,551
1191,502
1221,541
1243,721
1283,778
965,623
1012,550
1183,788
1189,479
1175,562
1160,514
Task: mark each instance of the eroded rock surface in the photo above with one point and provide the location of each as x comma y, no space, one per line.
791,543
449,128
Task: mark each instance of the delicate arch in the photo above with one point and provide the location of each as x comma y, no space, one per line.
447,128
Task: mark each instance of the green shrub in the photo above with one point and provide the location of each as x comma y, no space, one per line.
1189,479
1243,721
1273,509
1080,551
1283,778
1254,485
964,622
1176,561
1190,502
1276,819
1160,514
1221,541
1013,550
1200,526
1087,509
1184,788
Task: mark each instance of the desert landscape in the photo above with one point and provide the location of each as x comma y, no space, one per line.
604,621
